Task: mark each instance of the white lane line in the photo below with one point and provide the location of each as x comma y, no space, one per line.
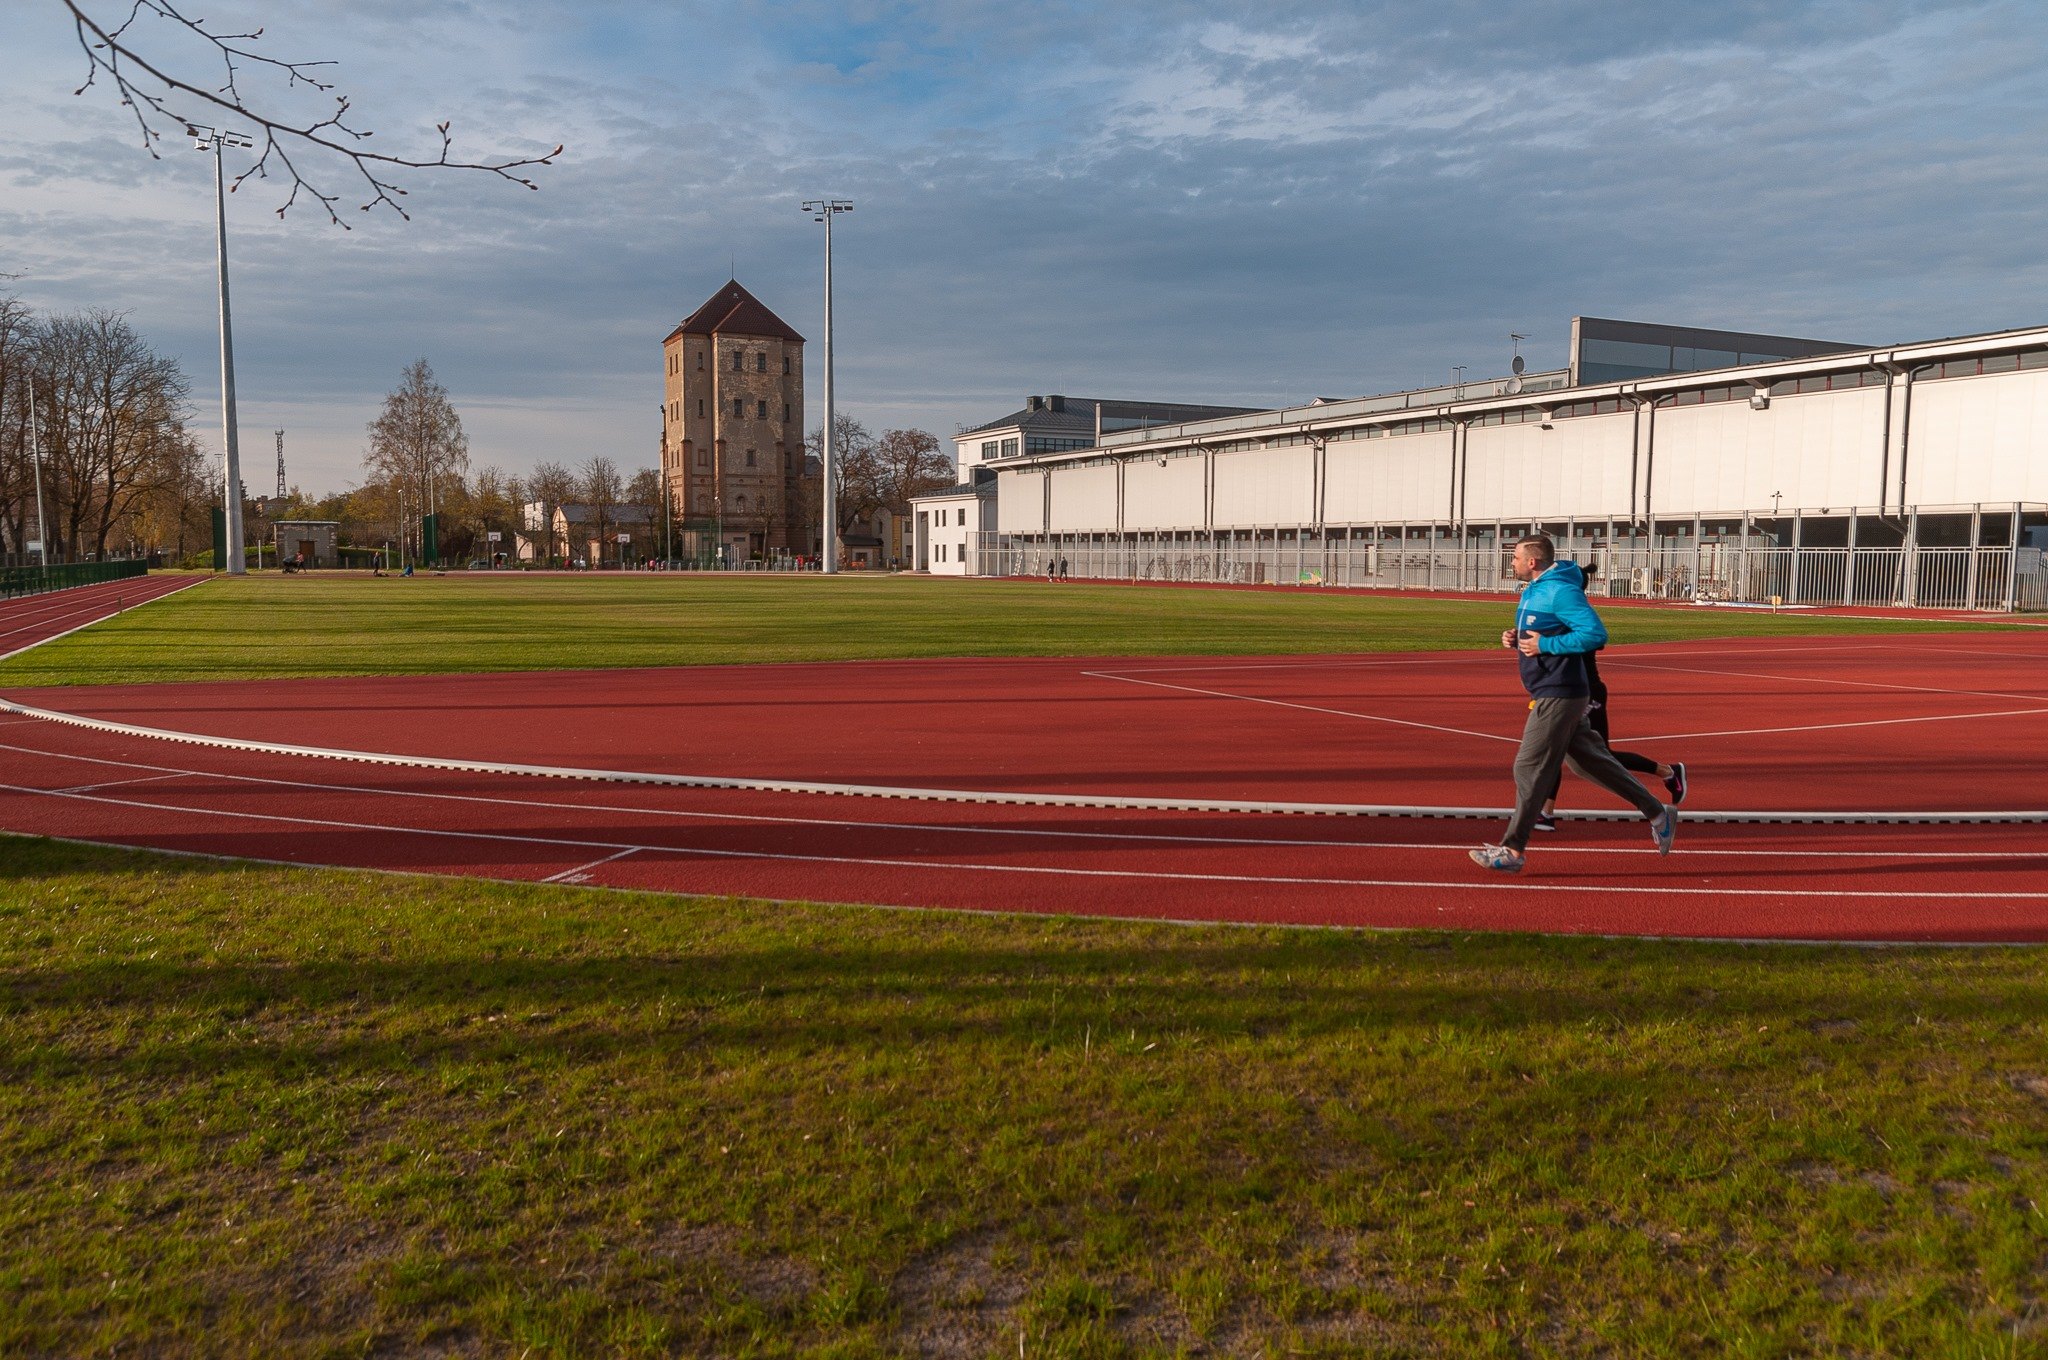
1305,708
1831,727
1480,885
185,585
1046,833
1826,680
61,603
118,783
581,873
1011,799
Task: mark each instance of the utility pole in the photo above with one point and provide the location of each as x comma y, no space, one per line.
280,464
35,446
824,210
213,139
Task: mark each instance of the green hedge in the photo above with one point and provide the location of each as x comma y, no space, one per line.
34,580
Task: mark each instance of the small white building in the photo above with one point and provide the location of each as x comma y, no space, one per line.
946,520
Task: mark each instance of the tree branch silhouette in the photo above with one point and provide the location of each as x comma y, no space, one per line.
153,94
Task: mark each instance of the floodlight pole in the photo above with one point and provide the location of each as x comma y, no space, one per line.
213,139
824,210
35,446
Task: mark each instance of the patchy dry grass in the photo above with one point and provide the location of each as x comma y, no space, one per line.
258,1111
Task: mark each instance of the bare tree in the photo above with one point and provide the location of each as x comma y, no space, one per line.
17,472
551,486
159,96
110,419
857,468
908,463
601,488
417,442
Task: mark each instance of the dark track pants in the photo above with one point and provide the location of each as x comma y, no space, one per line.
1558,733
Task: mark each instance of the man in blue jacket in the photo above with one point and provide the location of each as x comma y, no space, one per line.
1555,631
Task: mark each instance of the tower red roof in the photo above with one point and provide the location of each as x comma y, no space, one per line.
732,310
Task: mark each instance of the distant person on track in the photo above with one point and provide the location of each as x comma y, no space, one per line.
1598,714
1554,632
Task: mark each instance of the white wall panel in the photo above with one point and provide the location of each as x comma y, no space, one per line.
1577,470
1265,486
1406,477
1020,502
1083,499
1978,439
1168,497
1822,449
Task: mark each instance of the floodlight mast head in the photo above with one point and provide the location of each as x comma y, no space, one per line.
820,208
206,138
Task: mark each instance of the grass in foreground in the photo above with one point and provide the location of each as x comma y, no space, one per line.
256,1111
269,626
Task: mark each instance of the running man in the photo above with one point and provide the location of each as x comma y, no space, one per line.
1555,633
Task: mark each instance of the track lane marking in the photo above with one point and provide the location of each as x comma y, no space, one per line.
581,873
1828,680
702,852
1305,708
1830,727
944,828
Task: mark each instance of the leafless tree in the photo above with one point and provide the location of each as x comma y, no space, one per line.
417,442
858,471
601,487
163,99
909,463
110,421
17,472
551,486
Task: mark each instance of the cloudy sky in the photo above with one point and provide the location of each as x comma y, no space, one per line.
1247,204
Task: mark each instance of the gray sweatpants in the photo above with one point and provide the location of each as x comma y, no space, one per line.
1558,733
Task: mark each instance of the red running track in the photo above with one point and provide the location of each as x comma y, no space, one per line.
1955,723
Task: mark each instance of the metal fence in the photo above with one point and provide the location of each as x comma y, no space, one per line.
63,575
1986,578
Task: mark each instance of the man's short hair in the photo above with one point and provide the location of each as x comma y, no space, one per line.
1540,547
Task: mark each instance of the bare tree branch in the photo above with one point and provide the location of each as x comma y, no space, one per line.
112,53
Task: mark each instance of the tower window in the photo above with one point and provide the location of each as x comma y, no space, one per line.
703,458
785,411
785,365
750,458
761,362
737,359
760,410
739,406
700,408
700,361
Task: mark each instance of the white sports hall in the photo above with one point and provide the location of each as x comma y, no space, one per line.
1682,463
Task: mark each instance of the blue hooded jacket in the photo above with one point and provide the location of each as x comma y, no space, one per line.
1554,607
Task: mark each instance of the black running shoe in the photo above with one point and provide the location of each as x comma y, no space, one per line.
1676,783
1546,823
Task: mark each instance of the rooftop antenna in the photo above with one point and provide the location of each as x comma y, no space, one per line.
280,464
1516,364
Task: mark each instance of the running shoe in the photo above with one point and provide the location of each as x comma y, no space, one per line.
1676,783
1498,857
1546,823
1664,829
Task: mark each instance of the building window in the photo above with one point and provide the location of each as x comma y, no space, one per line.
785,412
1009,448
703,458
700,408
785,365
760,410
739,406
750,457
737,359
700,361
761,362
962,515
989,449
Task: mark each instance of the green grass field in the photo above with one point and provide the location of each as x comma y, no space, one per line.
257,1111
262,626
252,1111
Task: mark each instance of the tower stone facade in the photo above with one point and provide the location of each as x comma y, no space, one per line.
733,429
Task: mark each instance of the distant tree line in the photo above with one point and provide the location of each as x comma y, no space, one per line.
121,473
